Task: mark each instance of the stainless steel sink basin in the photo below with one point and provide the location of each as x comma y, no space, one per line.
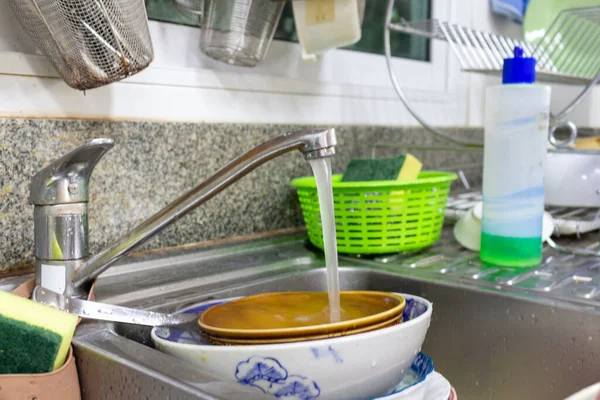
491,343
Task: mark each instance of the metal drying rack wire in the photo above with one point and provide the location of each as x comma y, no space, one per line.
568,53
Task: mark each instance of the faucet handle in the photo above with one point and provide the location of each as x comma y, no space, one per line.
66,179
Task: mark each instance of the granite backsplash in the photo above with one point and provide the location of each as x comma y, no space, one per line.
153,163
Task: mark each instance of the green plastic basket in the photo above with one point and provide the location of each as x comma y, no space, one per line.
379,217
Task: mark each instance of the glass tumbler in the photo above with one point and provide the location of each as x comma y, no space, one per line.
239,32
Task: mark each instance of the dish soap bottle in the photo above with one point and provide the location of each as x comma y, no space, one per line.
516,130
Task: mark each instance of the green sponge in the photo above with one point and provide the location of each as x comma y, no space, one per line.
402,167
34,338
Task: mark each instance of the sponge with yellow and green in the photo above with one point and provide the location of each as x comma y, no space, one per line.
399,168
34,338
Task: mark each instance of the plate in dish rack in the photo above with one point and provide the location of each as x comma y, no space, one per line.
589,393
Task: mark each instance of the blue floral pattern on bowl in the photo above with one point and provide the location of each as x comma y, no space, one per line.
179,335
413,309
268,375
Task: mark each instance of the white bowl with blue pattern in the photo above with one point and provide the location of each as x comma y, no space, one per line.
354,367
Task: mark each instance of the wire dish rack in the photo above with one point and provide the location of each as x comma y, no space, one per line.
567,220
564,54
568,53
559,276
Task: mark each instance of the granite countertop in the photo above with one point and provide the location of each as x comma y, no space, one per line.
154,163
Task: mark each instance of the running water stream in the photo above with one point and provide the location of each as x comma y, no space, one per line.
322,170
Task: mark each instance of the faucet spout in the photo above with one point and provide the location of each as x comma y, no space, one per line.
313,143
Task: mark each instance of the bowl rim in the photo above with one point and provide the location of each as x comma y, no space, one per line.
301,331
291,346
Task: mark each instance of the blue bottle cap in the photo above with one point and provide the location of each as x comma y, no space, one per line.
518,69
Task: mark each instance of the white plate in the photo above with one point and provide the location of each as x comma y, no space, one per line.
589,393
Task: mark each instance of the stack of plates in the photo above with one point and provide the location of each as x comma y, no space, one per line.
298,316
357,367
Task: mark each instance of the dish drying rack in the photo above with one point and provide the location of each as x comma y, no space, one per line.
573,31
567,220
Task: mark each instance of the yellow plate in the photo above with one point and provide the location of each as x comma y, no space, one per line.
587,143
292,314
225,341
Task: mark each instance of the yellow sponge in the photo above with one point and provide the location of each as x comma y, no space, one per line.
411,168
34,338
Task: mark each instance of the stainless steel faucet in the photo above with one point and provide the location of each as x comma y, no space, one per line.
60,195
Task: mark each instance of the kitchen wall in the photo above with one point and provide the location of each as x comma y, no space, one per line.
344,87
182,84
153,163
178,121
186,115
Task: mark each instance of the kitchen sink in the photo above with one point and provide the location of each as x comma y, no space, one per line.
490,339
